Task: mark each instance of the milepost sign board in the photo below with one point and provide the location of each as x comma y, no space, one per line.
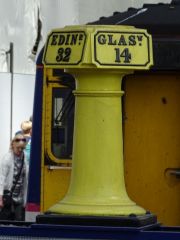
121,49
99,47
65,48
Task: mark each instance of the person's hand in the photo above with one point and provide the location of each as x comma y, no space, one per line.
1,201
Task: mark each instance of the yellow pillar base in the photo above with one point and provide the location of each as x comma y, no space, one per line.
97,182
98,210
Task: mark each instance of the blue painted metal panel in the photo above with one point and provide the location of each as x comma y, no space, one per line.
35,163
91,232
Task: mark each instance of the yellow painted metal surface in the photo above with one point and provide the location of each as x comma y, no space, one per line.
152,143
54,179
98,57
55,175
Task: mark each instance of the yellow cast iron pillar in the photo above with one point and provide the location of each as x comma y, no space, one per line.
98,57
97,182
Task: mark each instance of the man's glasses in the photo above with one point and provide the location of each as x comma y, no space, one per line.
20,148
20,140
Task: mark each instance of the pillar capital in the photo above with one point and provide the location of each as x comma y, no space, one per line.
103,47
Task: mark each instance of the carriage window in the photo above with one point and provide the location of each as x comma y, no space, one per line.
58,103
62,122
